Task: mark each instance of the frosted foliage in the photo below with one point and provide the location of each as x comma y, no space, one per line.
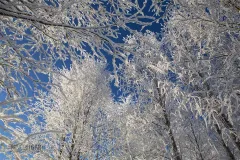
37,35
194,140
148,59
204,41
70,24
204,86
205,45
148,69
140,139
200,47
72,108
148,130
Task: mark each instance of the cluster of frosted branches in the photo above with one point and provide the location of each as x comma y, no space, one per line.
204,37
73,111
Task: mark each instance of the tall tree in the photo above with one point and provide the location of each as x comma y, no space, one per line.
147,81
203,37
197,140
73,111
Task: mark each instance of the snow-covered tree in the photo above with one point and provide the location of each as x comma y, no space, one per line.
73,109
203,38
184,72
198,141
195,68
146,80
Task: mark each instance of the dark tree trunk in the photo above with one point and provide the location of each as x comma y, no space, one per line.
161,101
228,150
229,126
174,145
197,142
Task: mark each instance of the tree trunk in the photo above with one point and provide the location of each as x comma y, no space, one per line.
62,147
197,142
161,101
233,133
173,142
229,153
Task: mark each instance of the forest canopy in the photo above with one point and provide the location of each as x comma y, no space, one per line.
120,79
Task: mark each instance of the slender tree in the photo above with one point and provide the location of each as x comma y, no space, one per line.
153,92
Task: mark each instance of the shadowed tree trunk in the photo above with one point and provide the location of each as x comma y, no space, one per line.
197,142
227,149
161,101
230,127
